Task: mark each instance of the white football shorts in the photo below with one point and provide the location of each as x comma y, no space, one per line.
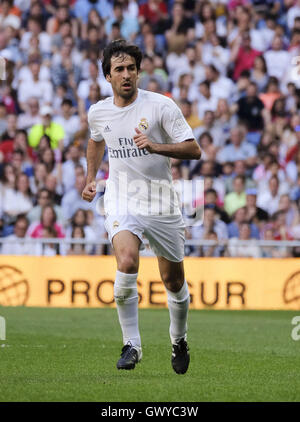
166,235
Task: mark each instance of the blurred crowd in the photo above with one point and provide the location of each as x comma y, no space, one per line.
233,67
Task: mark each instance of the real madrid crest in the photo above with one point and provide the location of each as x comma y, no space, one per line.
116,224
143,125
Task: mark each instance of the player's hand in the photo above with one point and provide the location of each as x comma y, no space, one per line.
142,141
89,192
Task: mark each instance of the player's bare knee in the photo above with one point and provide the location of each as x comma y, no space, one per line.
127,263
172,283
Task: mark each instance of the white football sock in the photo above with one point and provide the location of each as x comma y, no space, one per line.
126,298
178,308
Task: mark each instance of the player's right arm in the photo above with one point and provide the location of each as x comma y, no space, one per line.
94,153
94,156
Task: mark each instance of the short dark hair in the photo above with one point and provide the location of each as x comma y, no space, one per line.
67,101
118,48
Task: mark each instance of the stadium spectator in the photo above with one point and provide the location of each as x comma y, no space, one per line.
34,29
31,116
236,199
83,8
209,125
207,147
215,250
211,197
225,119
292,217
79,220
3,120
11,129
242,54
68,120
268,199
220,86
44,198
191,117
277,59
238,149
249,112
38,179
16,197
238,218
258,74
128,24
93,78
74,158
210,222
148,72
72,199
271,94
155,12
250,250
254,214
15,244
41,88
54,130
48,220
206,101
77,248
48,249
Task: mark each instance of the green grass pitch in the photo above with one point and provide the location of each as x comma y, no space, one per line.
71,354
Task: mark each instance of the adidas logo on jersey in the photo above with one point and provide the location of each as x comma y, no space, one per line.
107,129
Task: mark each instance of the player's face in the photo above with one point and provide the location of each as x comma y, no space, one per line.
123,76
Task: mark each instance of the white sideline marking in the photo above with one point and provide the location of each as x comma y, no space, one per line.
2,328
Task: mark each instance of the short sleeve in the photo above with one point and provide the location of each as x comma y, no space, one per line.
174,123
95,130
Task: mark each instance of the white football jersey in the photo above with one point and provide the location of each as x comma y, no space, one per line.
139,182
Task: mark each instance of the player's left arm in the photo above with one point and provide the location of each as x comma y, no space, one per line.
187,150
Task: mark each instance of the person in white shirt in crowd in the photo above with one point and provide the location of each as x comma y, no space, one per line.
31,116
268,199
220,86
293,13
194,66
7,18
72,199
38,179
238,149
225,119
214,53
207,12
25,73
74,159
251,250
42,89
34,29
17,200
67,50
176,59
19,246
210,126
277,59
95,76
210,222
206,101
68,120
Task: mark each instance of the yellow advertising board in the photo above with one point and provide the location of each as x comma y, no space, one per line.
87,281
